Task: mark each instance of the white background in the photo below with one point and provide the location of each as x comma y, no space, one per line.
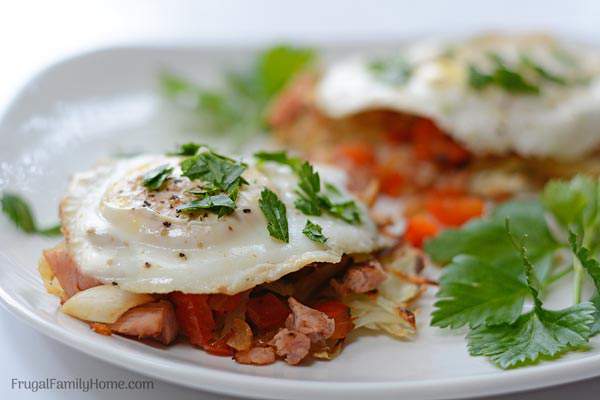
35,34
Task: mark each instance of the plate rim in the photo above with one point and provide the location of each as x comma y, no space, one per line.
212,380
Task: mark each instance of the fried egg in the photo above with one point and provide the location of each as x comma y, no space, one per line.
120,233
558,116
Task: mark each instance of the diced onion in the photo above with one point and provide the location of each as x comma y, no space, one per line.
105,303
50,282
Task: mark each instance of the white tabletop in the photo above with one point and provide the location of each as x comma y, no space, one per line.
33,34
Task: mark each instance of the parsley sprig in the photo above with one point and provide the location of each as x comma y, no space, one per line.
221,179
238,106
538,333
275,212
312,200
490,275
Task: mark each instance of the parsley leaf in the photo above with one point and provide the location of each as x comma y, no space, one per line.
223,173
277,65
275,212
503,77
156,177
576,205
314,232
280,157
539,333
542,72
309,186
486,238
219,204
311,199
474,293
535,334
395,71
477,79
19,212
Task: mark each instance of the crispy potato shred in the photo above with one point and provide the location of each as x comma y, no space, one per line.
389,308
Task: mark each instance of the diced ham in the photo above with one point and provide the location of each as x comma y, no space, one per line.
67,272
256,356
310,322
292,345
153,320
361,278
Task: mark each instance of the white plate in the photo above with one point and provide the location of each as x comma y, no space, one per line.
105,102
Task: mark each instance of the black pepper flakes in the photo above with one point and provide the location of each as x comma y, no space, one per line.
166,224
246,211
182,255
146,203
147,264
115,284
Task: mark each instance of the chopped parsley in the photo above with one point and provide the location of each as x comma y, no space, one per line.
503,77
394,71
275,212
314,232
238,107
542,72
280,157
219,172
156,177
490,276
311,199
19,212
538,333
219,204
221,179
524,78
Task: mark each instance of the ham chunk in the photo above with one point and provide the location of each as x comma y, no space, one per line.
361,278
310,322
256,356
292,345
153,320
67,272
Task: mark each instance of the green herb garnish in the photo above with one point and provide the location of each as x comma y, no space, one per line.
538,333
19,212
238,108
156,177
503,77
275,212
220,176
490,275
222,173
542,72
219,204
311,199
314,232
394,71
280,157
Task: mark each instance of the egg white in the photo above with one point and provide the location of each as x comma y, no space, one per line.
561,122
149,248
